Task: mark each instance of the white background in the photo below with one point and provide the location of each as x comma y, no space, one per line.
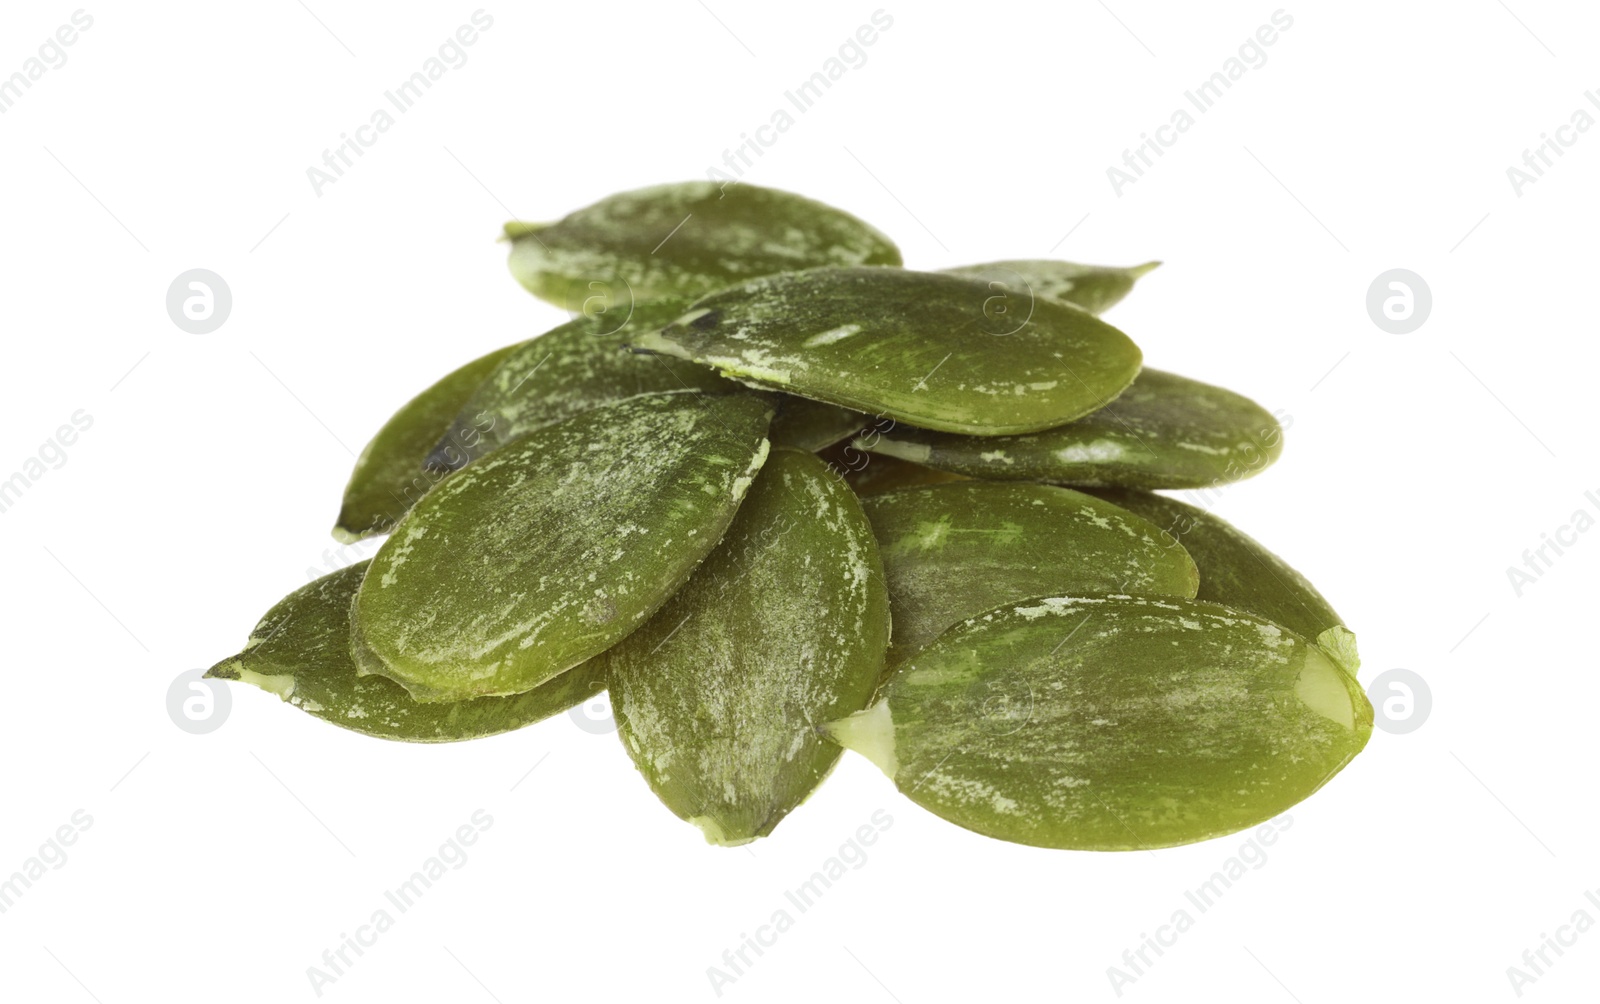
1418,467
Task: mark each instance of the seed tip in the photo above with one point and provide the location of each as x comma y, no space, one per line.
716,835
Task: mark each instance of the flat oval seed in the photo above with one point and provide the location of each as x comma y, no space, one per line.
390,474
556,547
565,372
1236,571
1095,288
1113,723
1165,431
719,698
809,425
301,652
954,551
916,347
686,239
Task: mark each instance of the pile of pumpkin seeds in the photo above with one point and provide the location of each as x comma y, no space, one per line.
781,496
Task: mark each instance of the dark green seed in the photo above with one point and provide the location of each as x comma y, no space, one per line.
390,475
1165,431
1236,571
301,652
954,551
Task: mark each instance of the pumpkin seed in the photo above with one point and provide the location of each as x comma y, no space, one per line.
954,551
300,651
719,698
1113,723
1095,288
532,560
683,240
565,372
811,425
916,347
1165,431
1236,571
389,475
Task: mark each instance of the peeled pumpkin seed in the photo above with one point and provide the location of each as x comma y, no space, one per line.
719,698
1113,723
389,476
810,425
954,551
300,651
1094,288
915,347
564,372
683,240
1236,571
554,548
1164,431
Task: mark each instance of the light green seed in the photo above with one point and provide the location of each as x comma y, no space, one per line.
915,347
554,548
719,698
1113,723
1095,288
684,240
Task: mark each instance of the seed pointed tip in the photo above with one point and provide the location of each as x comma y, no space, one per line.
717,835
1140,271
516,229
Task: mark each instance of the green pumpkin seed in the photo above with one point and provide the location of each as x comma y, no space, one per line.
300,651
1113,723
1165,431
556,547
390,474
954,551
719,699
1094,288
565,372
683,240
1236,571
810,425
915,347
